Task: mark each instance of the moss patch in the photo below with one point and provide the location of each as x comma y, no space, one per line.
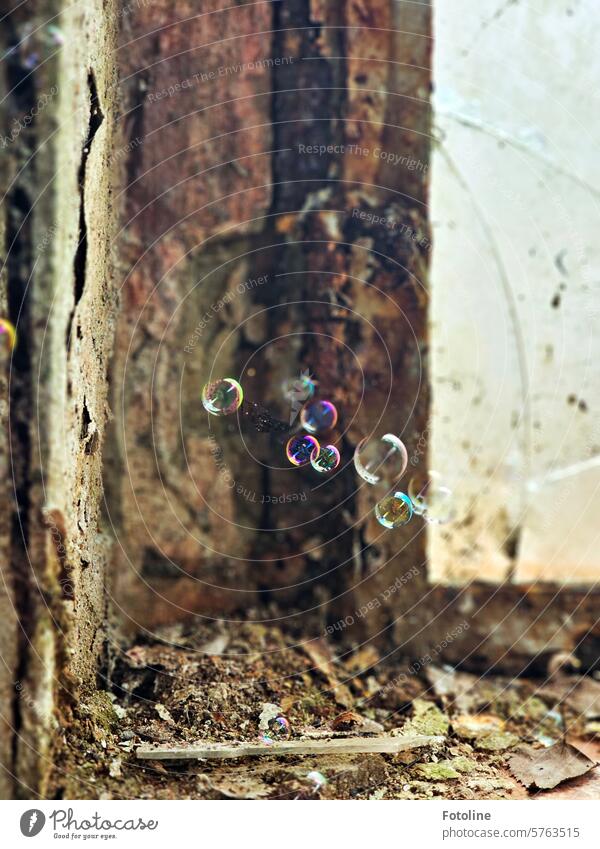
496,741
427,718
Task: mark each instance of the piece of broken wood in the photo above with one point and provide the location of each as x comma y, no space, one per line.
345,746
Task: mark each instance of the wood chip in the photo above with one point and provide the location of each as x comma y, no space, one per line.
164,713
545,768
345,746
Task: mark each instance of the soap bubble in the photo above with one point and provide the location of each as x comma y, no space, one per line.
299,388
8,333
326,460
394,510
279,730
31,61
300,449
431,498
381,460
318,780
222,397
55,35
318,416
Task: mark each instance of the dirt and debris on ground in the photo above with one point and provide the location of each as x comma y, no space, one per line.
221,683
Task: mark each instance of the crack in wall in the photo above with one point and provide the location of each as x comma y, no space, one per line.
96,117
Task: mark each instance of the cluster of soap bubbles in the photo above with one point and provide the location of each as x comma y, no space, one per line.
317,417
380,461
224,397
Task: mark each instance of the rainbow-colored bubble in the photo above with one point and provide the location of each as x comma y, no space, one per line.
298,388
8,331
222,397
300,449
319,416
326,460
318,780
279,729
394,510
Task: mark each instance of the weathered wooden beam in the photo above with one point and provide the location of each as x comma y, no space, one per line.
220,751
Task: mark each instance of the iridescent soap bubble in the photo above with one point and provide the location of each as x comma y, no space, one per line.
394,510
301,448
318,416
279,730
381,460
8,333
299,388
326,460
431,498
222,397
55,35
317,779
31,61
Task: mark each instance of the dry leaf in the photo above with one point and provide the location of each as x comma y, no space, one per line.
346,721
581,694
349,720
545,768
287,703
